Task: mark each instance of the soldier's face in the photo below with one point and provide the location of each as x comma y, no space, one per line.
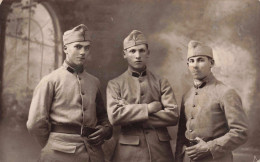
77,52
137,57
200,66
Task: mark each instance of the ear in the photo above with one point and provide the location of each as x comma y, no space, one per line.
148,53
212,63
124,53
65,49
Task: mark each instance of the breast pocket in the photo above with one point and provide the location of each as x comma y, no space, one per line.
129,140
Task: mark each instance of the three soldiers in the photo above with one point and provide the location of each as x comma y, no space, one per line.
68,118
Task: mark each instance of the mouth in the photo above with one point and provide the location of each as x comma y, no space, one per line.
138,62
81,58
195,72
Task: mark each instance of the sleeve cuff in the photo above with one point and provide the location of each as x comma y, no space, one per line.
214,149
110,132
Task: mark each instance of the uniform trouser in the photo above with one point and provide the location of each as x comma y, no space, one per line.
70,148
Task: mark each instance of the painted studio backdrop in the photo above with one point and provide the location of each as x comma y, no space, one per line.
31,47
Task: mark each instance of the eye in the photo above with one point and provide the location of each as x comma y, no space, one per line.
142,50
201,60
78,46
132,51
87,48
190,60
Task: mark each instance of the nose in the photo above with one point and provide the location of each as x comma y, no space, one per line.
82,51
138,56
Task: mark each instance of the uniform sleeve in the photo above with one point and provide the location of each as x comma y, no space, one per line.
169,115
122,114
102,114
237,123
181,135
38,119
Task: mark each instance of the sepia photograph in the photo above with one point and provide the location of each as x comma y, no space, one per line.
129,80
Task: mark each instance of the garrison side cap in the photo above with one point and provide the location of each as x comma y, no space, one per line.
134,38
79,33
196,48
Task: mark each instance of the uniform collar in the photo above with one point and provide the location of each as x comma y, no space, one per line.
136,74
201,83
72,69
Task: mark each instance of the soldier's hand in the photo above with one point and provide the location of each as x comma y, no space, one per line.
154,107
97,138
198,151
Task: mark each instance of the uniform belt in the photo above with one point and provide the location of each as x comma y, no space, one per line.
68,129
72,129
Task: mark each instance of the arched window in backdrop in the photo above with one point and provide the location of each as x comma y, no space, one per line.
33,48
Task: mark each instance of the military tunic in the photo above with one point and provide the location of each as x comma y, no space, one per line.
66,97
214,113
143,137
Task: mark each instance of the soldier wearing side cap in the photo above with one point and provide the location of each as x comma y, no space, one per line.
212,120
143,105
67,114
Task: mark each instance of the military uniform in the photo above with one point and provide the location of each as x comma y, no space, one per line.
213,112
63,102
143,137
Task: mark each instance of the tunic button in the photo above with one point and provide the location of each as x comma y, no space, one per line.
196,93
82,93
193,106
79,78
84,109
192,117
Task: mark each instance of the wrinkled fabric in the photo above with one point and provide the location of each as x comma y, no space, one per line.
143,137
70,148
214,113
65,97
